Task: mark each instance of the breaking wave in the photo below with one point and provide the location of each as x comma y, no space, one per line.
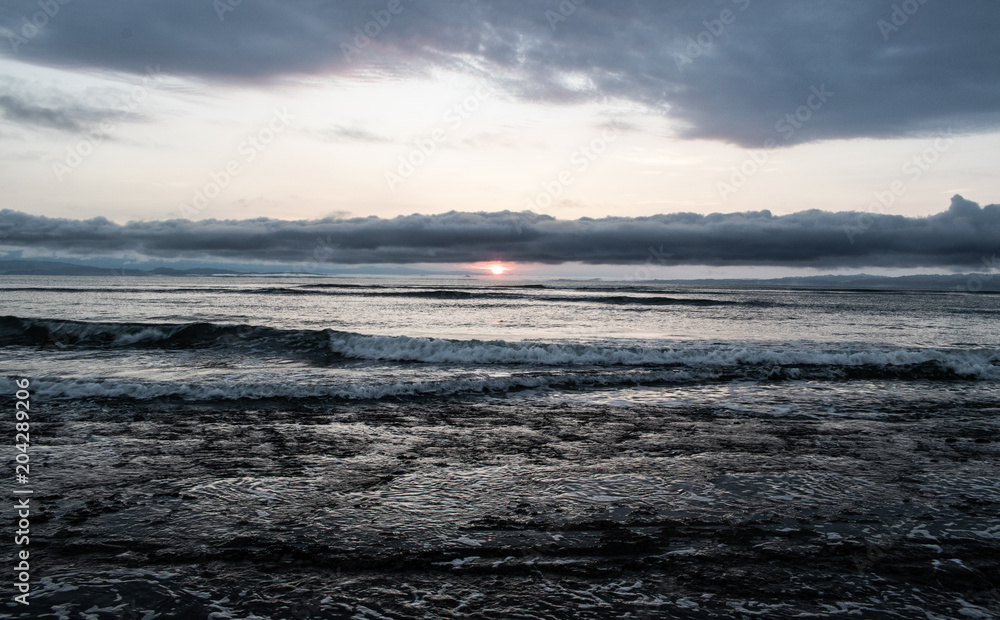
439,366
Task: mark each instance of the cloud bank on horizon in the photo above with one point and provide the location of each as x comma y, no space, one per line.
964,236
896,69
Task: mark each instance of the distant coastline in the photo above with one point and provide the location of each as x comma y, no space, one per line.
58,268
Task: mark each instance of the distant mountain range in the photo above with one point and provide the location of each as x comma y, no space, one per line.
52,268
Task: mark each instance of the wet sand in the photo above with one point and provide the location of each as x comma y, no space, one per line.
509,508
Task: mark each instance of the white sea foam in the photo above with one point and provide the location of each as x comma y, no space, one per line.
979,364
148,334
969,363
78,388
399,366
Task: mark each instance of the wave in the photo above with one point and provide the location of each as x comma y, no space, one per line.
327,346
77,388
116,289
845,363
622,300
43,333
348,292
282,387
445,294
532,293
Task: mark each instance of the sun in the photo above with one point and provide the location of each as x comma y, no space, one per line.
493,268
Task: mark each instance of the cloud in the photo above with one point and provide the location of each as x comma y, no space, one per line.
340,133
963,236
22,112
61,113
725,70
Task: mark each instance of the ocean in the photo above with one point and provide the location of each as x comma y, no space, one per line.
319,447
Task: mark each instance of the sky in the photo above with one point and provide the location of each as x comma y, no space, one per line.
574,136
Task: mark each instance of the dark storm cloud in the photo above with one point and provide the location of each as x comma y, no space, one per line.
963,236
729,70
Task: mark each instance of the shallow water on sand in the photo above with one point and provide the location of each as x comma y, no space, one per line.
303,448
495,507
